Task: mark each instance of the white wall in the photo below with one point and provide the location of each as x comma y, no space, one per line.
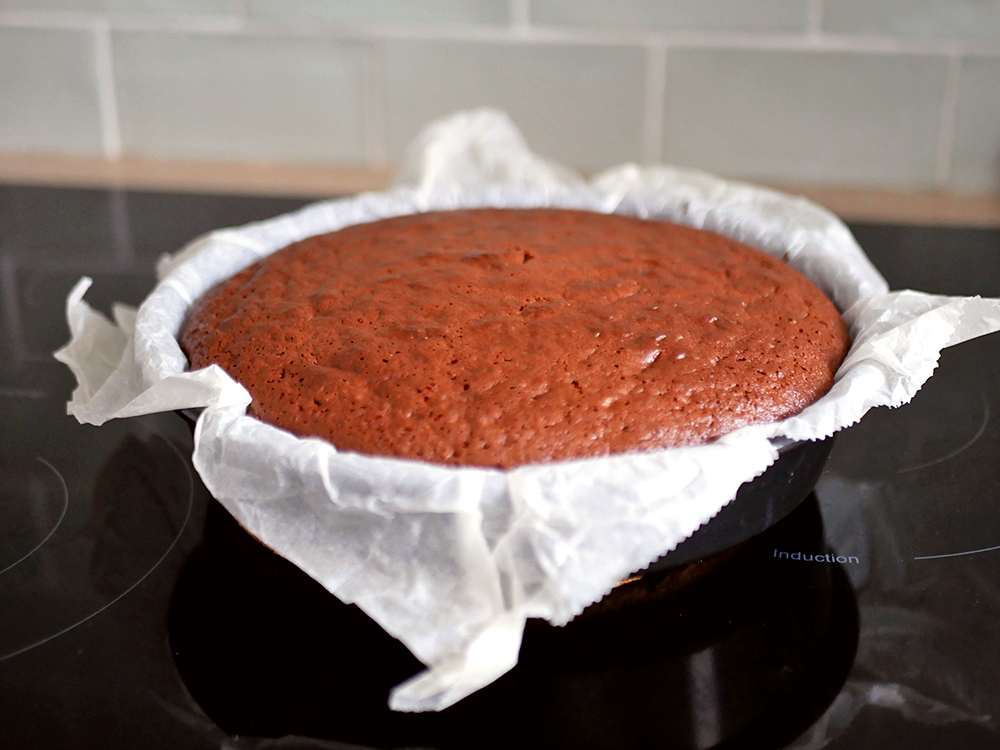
884,93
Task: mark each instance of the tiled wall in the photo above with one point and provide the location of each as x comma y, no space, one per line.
887,93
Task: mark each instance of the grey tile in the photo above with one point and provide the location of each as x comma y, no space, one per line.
581,105
387,11
834,118
715,15
251,99
976,155
186,7
48,92
968,19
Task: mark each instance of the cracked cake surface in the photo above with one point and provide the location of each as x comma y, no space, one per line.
499,337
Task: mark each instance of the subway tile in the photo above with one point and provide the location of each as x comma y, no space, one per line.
709,15
976,155
387,11
963,19
48,92
834,118
579,104
251,99
186,7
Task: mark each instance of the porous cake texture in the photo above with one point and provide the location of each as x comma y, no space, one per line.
498,337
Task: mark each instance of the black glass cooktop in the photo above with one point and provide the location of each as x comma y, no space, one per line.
134,613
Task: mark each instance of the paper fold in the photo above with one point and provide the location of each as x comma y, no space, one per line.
453,560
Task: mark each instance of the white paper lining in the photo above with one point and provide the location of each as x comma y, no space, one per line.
453,560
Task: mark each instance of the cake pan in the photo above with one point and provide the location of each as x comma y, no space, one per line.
758,505
749,656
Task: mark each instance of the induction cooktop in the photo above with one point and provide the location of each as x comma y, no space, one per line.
134,613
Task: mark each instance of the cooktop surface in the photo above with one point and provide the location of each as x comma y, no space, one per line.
133,612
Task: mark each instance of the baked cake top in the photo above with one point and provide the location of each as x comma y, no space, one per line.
497,337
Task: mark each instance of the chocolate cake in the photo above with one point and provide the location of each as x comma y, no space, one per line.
498,337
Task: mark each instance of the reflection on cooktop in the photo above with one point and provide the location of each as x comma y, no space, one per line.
748,652
65,559
957,554
946,418
33,502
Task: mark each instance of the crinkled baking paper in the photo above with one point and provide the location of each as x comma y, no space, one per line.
451,561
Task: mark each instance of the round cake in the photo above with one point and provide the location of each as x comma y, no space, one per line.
499,337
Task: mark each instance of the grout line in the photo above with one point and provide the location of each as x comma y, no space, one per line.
654,102
520,15
949,112
121,228
814,18
505,33
374,97
83,20
111,136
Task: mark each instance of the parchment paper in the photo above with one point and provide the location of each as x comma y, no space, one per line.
452,560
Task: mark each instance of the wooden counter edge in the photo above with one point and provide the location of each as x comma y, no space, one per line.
926,207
